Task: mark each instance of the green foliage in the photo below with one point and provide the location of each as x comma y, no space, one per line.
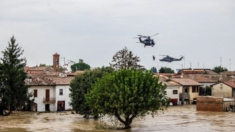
127,94
219,69
81,84
154,69
125,59
80,66
208,90
42,65
166,70
12,75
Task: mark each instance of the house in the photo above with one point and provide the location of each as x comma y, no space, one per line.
205,82
172,89
189,89
50,92
224,89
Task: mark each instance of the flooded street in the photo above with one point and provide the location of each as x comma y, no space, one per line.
175,118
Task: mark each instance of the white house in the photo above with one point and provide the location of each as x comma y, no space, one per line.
172,90
51,93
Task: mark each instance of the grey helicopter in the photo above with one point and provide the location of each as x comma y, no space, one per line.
169,59
147,41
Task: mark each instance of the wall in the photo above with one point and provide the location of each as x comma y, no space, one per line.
65,97
41,94
170,94
193,95
224,91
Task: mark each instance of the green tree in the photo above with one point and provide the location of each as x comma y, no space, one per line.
80,66
154,69
208,90
125,59
166,70
81,84
42,65
127,94
13,76
219,69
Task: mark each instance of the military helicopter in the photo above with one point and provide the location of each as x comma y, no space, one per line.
170,59
148,41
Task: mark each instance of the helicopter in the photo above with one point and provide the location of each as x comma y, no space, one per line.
170,59
148,41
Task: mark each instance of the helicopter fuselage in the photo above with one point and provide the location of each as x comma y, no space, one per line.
147,42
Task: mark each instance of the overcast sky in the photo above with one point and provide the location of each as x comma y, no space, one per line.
94,30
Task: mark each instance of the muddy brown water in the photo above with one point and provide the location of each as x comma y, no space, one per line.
174,119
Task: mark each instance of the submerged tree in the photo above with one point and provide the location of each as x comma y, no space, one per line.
13,76
80,85
125,59
127,94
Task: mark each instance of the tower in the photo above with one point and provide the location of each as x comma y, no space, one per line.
56,61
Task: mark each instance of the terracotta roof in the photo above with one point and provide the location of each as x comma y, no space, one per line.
75,73
230,83
38,80
186,82
45,80
200,79
61,80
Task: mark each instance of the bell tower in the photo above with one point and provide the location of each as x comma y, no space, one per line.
56,61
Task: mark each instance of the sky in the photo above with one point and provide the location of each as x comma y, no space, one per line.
203,31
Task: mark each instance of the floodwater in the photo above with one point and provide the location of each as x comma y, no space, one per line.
174,119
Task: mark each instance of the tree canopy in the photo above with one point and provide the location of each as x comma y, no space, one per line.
219,69
125,59
127,94
166,70
80,66
81,84
12,75
154,69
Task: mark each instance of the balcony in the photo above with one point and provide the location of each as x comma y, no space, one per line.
49,100
184,96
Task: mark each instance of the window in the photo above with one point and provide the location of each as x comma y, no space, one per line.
195,89
185,89
35,93
175,91
61,91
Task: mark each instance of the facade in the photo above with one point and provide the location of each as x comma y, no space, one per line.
50,93
172,90
189,89
223,89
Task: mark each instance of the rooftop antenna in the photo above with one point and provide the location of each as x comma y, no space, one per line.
64,59
220,61
230,64
190,64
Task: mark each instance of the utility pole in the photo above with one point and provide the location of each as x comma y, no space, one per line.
230,64
190,64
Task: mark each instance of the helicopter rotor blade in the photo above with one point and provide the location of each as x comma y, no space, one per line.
155,34
143,36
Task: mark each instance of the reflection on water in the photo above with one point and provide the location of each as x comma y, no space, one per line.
177,119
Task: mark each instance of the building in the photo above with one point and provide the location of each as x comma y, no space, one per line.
50,93
189,89
224,89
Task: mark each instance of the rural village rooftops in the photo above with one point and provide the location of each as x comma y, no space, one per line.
44,80
230,83
200,79
185,82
